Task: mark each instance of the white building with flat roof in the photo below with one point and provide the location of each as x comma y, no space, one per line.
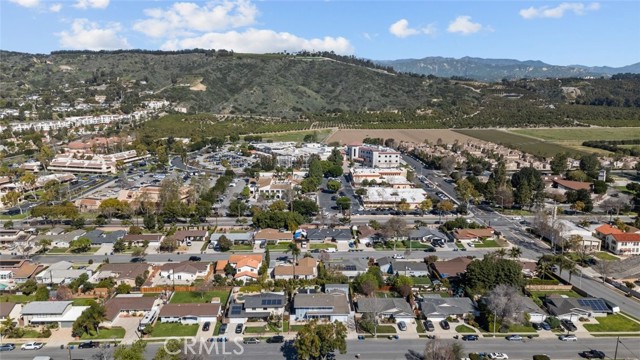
389,197
374,156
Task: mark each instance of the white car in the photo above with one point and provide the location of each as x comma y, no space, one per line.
516,218
568,338
396,256
32,346
499,356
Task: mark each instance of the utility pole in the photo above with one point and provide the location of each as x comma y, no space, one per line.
615,355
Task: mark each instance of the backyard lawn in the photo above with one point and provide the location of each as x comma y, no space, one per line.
18,299
464,329
83,302
421,280
568,293
113,333
196,297
173,329
614,323
605,256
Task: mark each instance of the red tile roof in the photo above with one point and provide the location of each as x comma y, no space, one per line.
607,229
626,237
573,185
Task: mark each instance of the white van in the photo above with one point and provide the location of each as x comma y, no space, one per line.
42,358
331,250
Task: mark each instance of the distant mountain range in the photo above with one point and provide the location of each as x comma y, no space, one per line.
498,69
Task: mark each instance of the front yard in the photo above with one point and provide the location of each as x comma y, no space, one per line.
486,244
613,323
198,297
386,329
323,246
173,329
113,333
242,248
280,246
92,250
605,256
464,329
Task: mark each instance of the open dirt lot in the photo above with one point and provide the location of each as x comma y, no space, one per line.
346,136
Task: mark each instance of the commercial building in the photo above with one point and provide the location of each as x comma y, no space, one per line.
385,197
374,156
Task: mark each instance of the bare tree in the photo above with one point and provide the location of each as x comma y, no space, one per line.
604,268
395,228
438,349
506,303
612,205
448,164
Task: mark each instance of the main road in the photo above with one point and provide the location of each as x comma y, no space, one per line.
378,349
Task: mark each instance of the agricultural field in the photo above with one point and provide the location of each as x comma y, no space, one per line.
524,143
346,136
296,136
582,134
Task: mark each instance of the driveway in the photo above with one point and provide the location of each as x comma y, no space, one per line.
130,325
58,337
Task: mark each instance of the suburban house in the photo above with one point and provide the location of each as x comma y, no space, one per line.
61,272
11,236
123,273
187,236
468,235
140,239
408,268
438,308
565,230
9,310
424,233
60,239
349,267
126,306
220,265
188,314
306,269
536,314
567,185
62,313
185,272
258,306
322,235
337,288
272,236
623,244
324,306
99,237
572,308
368,235
602,231
451,268
236,238
384,264
386,308
246,266
14,272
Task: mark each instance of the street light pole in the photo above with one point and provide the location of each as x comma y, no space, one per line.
615,355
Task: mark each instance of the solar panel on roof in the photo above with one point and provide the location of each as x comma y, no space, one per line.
350,267
278,302
595,304
236,310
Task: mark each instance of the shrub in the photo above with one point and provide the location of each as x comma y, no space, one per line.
543,282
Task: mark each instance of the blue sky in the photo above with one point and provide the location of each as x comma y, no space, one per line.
560,33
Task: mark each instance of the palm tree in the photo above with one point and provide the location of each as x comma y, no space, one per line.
295,252
515,252
543,268
501,253
572,267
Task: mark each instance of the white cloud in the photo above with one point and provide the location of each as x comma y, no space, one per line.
464,25
182,18
95,4
558,11
260,41
26,3
55,8
401,29
88,35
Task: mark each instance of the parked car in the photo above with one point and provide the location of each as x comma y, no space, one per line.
195,258
536,326
445,325
592,354
206,326
428,325
500,356
7,347
251,340
222,339
568,324
32,346
239,329
514,338
88,345
568,338
470,337
223,329
402,326
276,339
397,256
545,325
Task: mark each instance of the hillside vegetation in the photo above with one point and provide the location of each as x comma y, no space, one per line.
229,93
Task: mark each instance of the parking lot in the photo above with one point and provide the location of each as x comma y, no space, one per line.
224,159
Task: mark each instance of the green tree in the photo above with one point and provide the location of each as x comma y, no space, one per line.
29,287
485,274
119,246
82,244
305,207
600,187
343,203
44,244
171,350
334,185
335,157
515,252
294,250
28,179
134,351
465,190
237,208
123,288
149,221
89,320
278,205
445,206
426,205
403,284
559,163
590,164
224,243
12,198
42,294
316,340
246,192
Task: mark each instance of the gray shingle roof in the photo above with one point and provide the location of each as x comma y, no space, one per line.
337,301
388,306
446,306
45,307
337,234
101,237
425,231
